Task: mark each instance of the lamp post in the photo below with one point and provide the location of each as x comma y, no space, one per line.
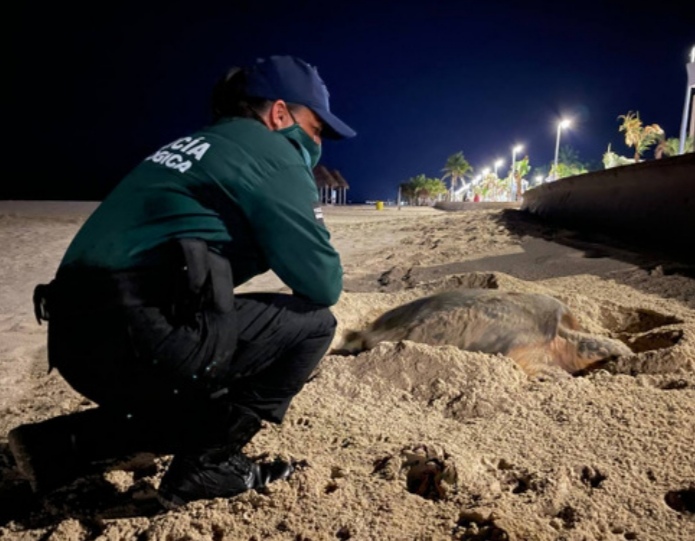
515,192
560,126
690,67
498,163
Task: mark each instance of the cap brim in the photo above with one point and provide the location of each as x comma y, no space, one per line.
333,127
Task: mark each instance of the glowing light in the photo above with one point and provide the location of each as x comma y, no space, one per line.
564,123
499,163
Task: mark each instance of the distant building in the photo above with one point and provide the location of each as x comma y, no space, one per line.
331,185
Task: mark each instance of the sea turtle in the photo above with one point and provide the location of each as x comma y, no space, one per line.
535,330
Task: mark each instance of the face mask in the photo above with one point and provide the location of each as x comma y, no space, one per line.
310,149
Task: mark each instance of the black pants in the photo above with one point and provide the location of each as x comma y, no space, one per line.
185,380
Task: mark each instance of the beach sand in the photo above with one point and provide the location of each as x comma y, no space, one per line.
407,441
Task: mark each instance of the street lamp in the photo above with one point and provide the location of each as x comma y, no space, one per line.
560,126
515,150
690,67
499,163
539,179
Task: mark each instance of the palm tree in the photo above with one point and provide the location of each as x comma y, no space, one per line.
456,167
521,169
671,146
487,186
568,163
408,191
421,188
435,187
569,155
638,136
415,189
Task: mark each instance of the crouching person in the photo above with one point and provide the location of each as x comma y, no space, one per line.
142,316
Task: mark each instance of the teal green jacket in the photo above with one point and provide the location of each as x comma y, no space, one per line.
242,188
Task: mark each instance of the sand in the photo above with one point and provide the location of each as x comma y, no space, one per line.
408,441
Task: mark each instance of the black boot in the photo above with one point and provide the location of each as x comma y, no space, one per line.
222,471
216,474
45,454
55,452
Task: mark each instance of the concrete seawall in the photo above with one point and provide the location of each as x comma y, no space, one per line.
649,204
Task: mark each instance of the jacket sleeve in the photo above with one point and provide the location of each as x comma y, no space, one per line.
285,215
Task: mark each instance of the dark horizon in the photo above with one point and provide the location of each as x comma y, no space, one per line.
96,90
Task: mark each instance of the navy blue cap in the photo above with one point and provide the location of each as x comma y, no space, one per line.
293,80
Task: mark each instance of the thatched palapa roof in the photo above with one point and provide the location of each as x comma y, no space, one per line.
326,178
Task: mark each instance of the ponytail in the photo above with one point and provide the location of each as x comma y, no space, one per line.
229,97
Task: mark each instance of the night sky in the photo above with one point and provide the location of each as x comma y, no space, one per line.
95,89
